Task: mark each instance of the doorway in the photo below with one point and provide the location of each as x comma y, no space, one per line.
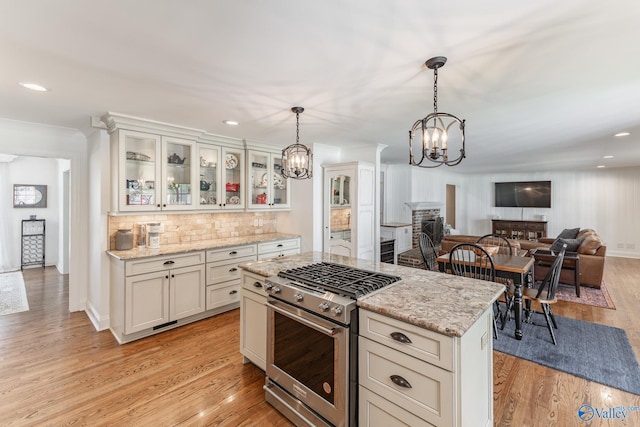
450,217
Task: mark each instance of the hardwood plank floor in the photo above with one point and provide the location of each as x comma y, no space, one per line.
55,369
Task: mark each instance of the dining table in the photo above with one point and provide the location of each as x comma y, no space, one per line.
514,267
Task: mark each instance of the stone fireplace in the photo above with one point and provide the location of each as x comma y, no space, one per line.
425,217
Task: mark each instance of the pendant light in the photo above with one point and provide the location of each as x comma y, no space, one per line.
297,159
436,130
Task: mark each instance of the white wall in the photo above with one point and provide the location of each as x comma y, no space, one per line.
606,200
34,171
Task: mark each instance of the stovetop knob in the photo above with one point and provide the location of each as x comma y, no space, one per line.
337,310
324,306
268,286
276,290
298,297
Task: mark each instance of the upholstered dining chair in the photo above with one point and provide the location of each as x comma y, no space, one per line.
428,251
504,247
544,294
472,260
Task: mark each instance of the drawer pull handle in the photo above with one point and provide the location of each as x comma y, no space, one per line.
400,337
233,253
232,269
257,284
233,292
399,381
280,245
169,262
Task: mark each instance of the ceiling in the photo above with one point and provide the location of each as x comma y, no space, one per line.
542,85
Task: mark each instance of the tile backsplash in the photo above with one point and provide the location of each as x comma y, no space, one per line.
181,228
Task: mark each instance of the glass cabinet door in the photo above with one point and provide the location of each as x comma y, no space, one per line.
280,192
138,171
179,170
232,179
259,179
209,159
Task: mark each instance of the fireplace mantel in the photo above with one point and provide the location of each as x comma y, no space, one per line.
416,206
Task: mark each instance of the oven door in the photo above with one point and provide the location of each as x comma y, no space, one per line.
307,356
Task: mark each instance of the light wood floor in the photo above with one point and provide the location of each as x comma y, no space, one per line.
55,369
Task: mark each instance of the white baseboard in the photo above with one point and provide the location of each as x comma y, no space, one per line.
100,323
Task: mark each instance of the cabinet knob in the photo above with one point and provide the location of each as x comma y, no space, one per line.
169,262
257,284
233,253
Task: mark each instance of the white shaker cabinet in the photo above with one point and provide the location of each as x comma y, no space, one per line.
349,210
155,294
253,320
267,189
278,248
224,276
420,377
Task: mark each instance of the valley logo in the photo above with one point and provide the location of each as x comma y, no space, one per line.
587,412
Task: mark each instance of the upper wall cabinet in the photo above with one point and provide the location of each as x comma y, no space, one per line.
158,166
222,174
267,188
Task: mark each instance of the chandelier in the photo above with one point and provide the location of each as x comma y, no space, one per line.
436,130
297,160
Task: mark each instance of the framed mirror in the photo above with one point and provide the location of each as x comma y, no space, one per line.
29,196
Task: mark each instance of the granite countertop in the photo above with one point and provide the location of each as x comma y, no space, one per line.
440,302
145,252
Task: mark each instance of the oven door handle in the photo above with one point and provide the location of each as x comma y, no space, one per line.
332,332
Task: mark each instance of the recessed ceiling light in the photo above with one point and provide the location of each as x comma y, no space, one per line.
600,166
608,157
230,122
33,86
622,134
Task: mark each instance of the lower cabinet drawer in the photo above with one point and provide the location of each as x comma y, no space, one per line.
278,254
162,263
419,387
223,294
218,272
278,245
374,411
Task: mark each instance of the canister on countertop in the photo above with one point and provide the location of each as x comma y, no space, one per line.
124,239
142,236
153,231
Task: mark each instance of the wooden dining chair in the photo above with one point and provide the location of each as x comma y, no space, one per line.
504,247
472,260
428,251
544,294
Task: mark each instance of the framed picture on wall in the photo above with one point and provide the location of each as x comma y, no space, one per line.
29,196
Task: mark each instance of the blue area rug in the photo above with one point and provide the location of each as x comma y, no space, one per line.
588,350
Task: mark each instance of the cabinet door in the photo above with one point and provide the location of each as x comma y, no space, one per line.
232,185
138,171
188,292
179,177
209,176
337,219
267,187
146,301
253,328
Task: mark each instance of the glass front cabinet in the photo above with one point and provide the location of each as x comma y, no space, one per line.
268,189
154,172
221,177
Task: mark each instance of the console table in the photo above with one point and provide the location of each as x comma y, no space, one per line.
520,230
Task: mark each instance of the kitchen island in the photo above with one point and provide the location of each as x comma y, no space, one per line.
440,370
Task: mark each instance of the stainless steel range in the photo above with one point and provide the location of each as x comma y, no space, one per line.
312,341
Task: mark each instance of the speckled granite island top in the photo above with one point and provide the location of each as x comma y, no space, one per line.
439,302
201,245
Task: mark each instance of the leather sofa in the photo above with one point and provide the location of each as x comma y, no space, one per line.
592,253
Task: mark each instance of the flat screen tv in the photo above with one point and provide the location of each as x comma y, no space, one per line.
526,194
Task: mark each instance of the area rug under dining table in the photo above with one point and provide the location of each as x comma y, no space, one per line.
598,297
588,350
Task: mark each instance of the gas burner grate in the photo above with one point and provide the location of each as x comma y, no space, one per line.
341,279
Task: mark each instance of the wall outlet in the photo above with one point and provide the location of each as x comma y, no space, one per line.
631,246
620,245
